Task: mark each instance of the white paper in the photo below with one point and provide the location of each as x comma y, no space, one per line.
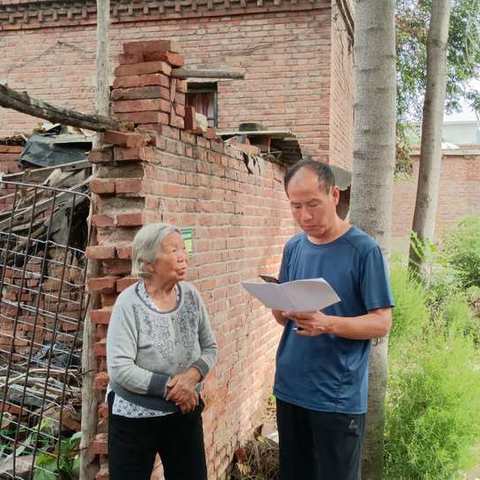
297,296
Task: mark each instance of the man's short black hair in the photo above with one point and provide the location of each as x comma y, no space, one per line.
324,173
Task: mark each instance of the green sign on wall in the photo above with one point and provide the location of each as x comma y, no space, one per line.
187,235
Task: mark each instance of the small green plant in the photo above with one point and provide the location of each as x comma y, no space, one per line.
433,404
462,251
61,464
410,314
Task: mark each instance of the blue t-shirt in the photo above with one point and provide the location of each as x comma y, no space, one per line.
328,373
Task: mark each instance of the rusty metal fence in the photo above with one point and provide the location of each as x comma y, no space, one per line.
43,234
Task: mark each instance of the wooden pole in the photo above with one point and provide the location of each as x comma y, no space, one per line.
185,72
88,466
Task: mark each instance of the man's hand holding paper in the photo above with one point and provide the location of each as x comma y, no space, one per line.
310,324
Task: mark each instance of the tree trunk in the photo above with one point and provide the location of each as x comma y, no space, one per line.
372,179
88,466
431,143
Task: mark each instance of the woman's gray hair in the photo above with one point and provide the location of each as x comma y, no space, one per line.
146,243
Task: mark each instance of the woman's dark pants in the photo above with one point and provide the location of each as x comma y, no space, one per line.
177,438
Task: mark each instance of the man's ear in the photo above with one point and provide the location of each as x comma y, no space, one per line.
336,194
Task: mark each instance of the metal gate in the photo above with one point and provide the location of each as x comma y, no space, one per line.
43,234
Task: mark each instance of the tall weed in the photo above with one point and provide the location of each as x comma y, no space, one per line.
433,396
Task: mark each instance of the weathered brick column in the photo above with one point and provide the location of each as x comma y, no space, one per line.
239,221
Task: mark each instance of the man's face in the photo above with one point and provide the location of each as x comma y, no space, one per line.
313,208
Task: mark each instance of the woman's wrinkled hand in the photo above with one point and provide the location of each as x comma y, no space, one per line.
181,389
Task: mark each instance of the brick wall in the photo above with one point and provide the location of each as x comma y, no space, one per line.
240,221
459,195
9,155
341,94
286,53
34,309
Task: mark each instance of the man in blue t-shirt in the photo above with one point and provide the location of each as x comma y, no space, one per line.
321,380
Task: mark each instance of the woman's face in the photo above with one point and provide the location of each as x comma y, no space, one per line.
172,259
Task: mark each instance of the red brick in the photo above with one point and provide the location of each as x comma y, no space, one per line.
123,139
102,186
129,154
129,185
118,266
127,59
9,157
101,315
145,117
102,220
173,59
127,106
139,93
187,137
11,149
142,81
203,142
99,446
179,98
176,121
100,348
143,68
101,156
210,133
100,252
124,251
131,219
10,167
102,284
108,299
180,110
102,410
125,282
182,86
170,132
151,46
101,381
218,145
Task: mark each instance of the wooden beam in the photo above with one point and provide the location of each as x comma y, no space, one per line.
22,102
185,72
88,464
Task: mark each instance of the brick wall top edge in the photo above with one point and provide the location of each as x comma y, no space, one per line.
460,152
20,14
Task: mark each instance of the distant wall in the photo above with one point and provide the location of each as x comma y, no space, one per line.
459,194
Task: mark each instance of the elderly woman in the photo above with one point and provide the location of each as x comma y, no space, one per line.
159,349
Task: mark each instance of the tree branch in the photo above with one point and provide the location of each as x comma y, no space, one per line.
22,102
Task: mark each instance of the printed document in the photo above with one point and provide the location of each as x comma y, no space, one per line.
297,296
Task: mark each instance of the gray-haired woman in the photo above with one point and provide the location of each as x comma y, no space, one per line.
159,348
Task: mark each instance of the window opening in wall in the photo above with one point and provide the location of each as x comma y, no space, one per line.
204,98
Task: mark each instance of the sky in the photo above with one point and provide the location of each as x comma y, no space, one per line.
467,113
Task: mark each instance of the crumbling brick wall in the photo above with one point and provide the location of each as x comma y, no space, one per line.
9,154
296,78
240,221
